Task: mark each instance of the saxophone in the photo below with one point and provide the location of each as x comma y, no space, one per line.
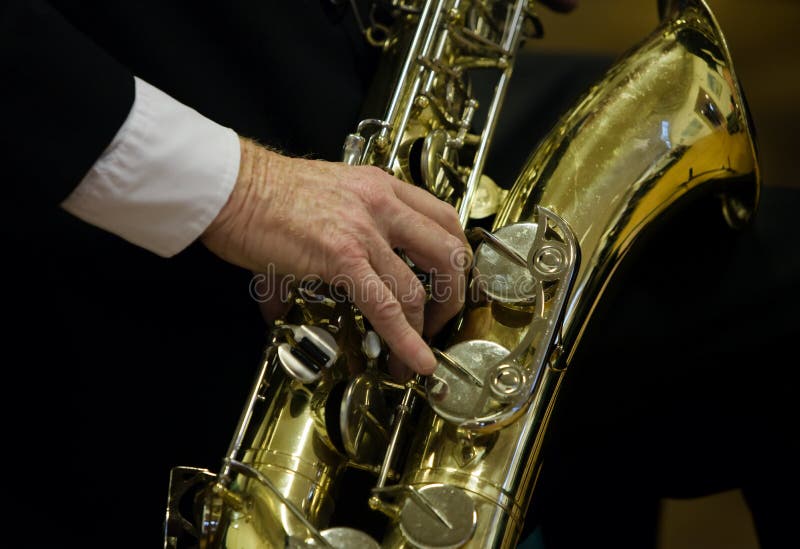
451,460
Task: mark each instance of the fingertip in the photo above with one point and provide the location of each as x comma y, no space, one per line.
425,361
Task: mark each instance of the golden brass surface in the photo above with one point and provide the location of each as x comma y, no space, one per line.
666,124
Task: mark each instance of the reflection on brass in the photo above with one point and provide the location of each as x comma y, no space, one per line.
488,199
510,315
667,124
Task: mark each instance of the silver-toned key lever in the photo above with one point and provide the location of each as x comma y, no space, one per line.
418,498
426,504
451,363
309,351
353,149
499,245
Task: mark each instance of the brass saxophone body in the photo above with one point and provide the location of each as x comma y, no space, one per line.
455,456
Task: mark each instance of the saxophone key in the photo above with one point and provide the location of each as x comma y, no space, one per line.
438,515
311,351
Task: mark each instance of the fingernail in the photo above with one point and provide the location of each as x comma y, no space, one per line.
426,363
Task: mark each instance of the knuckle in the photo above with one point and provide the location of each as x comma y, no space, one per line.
449,211
350,251
460,256
374,173
375,191
450,216
348,265
386,310
414,299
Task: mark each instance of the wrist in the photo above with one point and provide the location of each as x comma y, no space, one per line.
247,206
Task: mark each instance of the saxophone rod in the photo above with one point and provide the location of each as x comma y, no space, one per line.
412,58
439,50
419,36
247,414
298,514
403,410
510,45
423,501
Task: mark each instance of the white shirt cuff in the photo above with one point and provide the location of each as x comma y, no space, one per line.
163,179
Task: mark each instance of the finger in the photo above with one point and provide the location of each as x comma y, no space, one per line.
433,250
401,281
429,244
428,205
407,289
447,299
385,313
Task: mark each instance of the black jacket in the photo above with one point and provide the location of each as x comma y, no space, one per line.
292,74
138,363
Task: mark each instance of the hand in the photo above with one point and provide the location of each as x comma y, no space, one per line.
342,223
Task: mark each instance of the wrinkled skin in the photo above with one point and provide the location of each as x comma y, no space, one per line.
299,217
342,223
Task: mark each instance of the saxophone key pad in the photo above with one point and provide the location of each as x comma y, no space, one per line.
438,516
314,349
473,381
340,538
501,264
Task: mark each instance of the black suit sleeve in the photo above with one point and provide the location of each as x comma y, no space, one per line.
62,100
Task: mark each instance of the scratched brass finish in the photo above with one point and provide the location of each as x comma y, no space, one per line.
667,124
